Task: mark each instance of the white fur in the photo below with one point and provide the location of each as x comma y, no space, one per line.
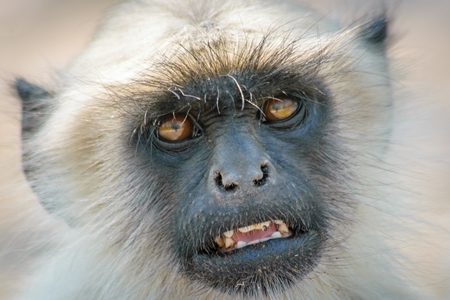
366,263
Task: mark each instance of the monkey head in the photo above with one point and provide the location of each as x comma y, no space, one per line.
222,151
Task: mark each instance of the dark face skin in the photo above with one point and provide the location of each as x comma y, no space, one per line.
240,166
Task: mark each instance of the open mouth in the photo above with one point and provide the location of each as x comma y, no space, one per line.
252,234
256,258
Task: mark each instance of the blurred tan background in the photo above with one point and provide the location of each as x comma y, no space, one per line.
38,38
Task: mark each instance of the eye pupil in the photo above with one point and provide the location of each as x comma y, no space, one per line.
175,127
280,108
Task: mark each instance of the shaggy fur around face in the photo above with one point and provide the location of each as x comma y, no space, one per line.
137,228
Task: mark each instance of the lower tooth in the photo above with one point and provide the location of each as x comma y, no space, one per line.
283,228
276,235
254,242
219,241
241,244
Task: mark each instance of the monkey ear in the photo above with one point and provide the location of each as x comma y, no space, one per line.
35,106
35,103
375,32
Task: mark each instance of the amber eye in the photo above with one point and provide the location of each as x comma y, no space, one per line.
280,108
175,127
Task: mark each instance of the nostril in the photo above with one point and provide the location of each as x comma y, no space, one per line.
265,174
228,187
218,179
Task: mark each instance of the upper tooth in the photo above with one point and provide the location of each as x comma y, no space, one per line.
229,243
283,228
259,226
228,234
264,225
247,228
278,222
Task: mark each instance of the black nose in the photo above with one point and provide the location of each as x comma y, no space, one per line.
230,179
240,163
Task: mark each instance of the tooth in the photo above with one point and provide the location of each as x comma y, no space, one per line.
229,243
259,226
264,225
264,240
228,234
276,235
283,228
278,222
241,244
219,241
253,242
246,228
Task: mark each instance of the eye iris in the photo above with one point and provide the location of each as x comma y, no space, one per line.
175,127
279,109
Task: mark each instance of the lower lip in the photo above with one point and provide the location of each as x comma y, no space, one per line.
260,253
279,260
267,248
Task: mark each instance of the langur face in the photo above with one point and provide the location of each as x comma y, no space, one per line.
233,161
